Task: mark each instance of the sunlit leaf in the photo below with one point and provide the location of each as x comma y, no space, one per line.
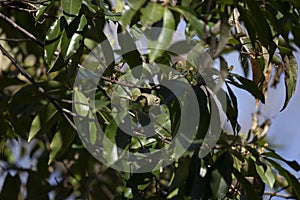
71,8
152,13
291,72
69,46
52,40
266,175
42,9
81,103
133,7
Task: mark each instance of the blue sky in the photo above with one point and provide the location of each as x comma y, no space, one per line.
285,125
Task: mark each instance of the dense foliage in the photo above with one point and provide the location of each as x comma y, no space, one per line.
44,44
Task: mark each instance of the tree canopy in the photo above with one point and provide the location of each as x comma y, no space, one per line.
130,99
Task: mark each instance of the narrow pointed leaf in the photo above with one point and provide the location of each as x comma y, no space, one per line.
41,120
293,164
165,36
69,46
81,103
266,175
247,85
52,40
42,9
152,13
291,72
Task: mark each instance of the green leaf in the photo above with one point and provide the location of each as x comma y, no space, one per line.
41,120
62,140
71,8
266,175
114,17
69,46
152,13
247,85
257,15
165,36
4,124
11,187
142,180
186,3
221,175
81,103
110,152
134,7
290,178
90,6
180,173
232,108
93,133
196,23
218,184
42,9
52,40
197,183
293,164
249,23
57,65
271,14
94,31
291,72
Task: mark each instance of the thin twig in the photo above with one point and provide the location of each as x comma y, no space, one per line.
40,89
42,44
274,194
19,28
15,39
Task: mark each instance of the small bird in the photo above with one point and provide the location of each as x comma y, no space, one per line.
141,104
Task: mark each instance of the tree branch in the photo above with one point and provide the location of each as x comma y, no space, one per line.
22,30
40,88
274,194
